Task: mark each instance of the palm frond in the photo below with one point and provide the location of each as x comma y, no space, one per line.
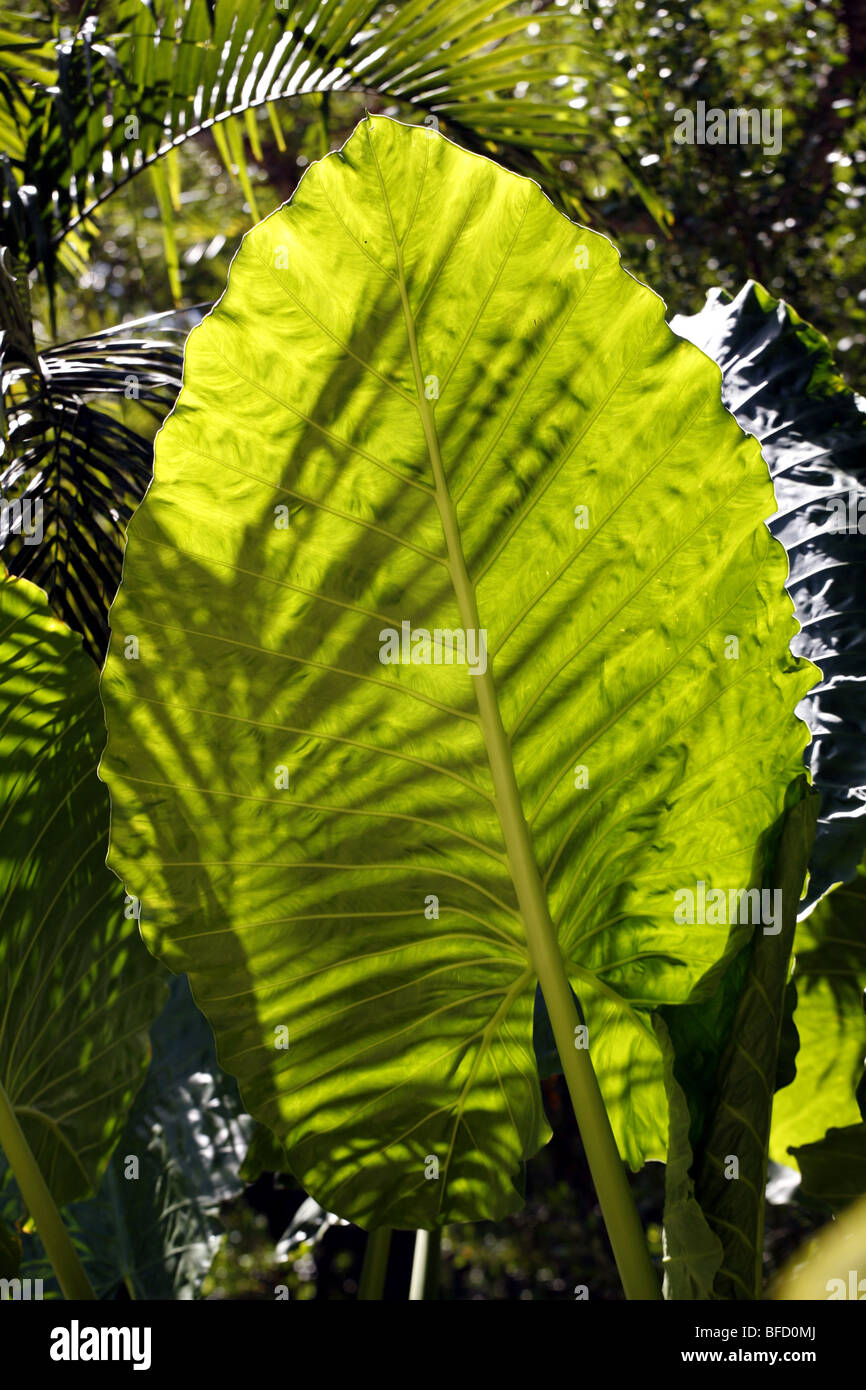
71,470
168,69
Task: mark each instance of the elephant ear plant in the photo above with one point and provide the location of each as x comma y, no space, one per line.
451,655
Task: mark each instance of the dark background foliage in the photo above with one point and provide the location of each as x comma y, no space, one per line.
687,217
530,1256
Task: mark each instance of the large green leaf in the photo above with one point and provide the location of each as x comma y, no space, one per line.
78,987
414,363
830,975
153,1226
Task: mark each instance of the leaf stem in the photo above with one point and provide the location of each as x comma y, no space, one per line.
424,1283
34,1190
639,1278
375,1264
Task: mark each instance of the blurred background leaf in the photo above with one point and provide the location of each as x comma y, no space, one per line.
830,1264
156,1233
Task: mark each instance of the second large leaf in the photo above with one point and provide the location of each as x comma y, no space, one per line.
451,547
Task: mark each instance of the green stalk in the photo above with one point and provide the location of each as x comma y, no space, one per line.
424,1283
627,1239
41,1205
375,1264
639,1278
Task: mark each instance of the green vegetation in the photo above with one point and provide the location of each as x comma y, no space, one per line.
481,702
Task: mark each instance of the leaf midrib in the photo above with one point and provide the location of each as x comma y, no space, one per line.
542,944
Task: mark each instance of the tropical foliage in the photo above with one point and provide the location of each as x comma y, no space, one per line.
480,681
